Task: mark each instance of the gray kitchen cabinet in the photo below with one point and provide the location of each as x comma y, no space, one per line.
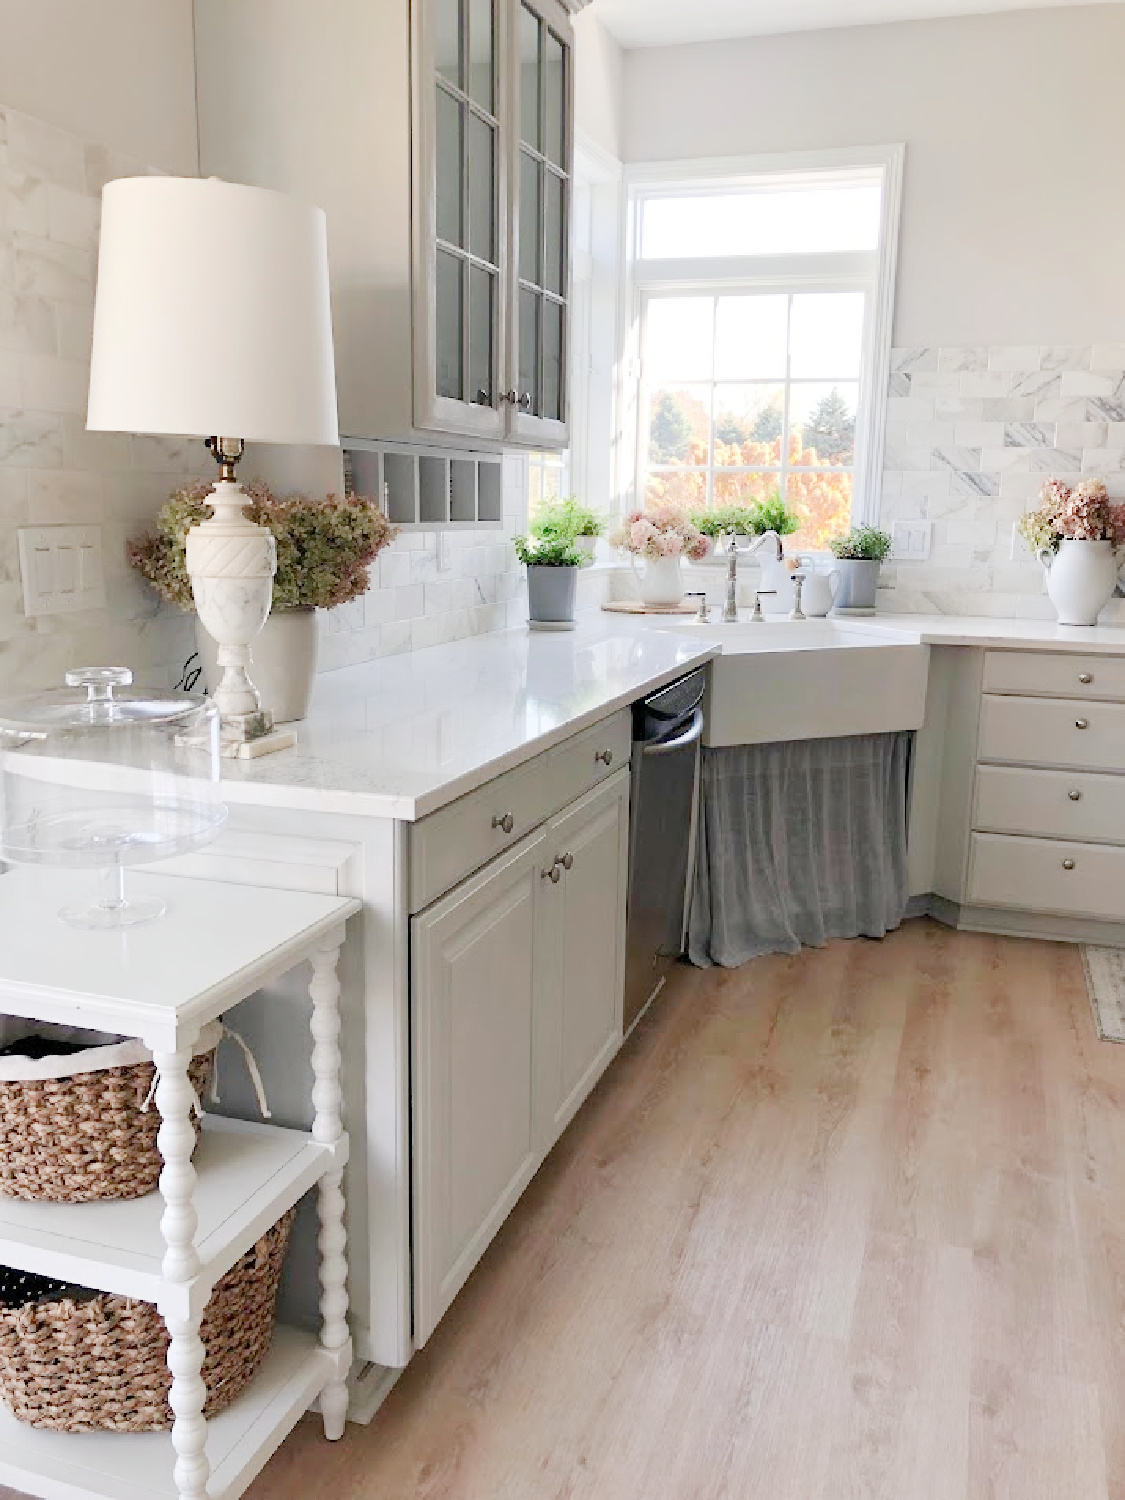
517,981
438,137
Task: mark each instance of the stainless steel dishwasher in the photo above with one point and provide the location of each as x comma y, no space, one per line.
667,729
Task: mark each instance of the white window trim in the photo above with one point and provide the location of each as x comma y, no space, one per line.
874,271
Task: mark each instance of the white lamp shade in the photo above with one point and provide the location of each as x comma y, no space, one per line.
212,315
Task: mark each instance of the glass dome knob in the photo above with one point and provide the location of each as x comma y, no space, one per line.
99,682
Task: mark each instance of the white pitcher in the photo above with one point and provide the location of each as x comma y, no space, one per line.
819,592
661,582
1081,578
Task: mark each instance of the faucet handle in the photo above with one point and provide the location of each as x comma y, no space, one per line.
701,608
796,613
759,595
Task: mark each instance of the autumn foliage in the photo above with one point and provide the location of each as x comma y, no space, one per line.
818,484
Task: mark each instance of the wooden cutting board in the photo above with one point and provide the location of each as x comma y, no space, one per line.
636,607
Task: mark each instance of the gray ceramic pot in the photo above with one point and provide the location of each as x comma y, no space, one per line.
859,578
551,593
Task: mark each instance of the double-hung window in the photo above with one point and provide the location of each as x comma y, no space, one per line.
762,305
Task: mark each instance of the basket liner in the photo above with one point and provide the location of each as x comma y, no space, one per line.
77,1058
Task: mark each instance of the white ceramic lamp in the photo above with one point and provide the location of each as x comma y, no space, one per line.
212,320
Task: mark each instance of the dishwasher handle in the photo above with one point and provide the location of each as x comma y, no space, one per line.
690,736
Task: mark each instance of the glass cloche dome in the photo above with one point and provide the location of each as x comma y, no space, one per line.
100,775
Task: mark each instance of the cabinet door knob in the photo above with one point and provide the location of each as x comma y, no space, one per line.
554,874
1068,864
605,756
511,397
1081,723
1075,796
566,860
505,821
525,400
1086,678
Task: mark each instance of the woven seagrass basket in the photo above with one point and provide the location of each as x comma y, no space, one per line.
75,1362
88,1134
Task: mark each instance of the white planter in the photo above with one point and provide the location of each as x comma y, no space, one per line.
586,545
661,580
551,594
1081,578
859,580
283,666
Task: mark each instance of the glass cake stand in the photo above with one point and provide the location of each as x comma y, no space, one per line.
100,775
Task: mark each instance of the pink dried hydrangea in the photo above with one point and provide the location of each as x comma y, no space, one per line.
1084,513
658,533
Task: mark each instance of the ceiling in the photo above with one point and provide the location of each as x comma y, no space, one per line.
665,23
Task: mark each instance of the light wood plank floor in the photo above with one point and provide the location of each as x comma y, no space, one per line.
849,1226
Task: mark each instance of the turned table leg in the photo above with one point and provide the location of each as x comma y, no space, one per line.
328,1128
175,1099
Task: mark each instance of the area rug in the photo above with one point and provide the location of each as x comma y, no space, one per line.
1105,984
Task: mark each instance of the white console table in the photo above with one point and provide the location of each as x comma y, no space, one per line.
162,983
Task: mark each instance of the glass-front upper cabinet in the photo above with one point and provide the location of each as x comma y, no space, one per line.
541,165
492,161
460,231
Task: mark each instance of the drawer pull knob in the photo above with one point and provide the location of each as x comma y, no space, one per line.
1081,723
606,756
1068,864
1075,796
554,874
505,821
1086,678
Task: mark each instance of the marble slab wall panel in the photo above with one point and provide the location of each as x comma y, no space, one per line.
52,471
972,434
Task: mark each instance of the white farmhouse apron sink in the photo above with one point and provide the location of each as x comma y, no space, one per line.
809,679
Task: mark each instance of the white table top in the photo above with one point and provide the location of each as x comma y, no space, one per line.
215,945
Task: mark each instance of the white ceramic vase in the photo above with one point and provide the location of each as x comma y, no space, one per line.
661,581
1081,578
284,662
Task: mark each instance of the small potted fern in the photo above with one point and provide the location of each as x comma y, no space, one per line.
859,555
552,564
569,517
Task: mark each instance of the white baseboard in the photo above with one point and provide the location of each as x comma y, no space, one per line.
368,1387
1010,923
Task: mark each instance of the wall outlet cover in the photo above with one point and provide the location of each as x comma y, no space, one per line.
911,540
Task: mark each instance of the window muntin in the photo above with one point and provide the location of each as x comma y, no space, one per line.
746,395
768,219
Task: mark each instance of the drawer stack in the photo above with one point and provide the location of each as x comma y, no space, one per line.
1049,797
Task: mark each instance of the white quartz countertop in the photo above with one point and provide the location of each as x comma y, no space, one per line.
404,736
401,737
1002,634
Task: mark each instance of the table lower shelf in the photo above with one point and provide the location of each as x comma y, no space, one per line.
248,1175
138,1466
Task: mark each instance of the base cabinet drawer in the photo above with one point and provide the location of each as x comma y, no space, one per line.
1047,875
1054,674
453,842
1053,732
1079,805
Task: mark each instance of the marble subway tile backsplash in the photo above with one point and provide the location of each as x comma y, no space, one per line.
430,587
972,433
52,471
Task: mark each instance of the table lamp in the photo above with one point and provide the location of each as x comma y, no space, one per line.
212,320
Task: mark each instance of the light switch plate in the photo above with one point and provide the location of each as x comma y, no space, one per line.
61,569
910,540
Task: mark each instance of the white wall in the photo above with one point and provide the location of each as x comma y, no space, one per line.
599,83
121,72
1014,208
